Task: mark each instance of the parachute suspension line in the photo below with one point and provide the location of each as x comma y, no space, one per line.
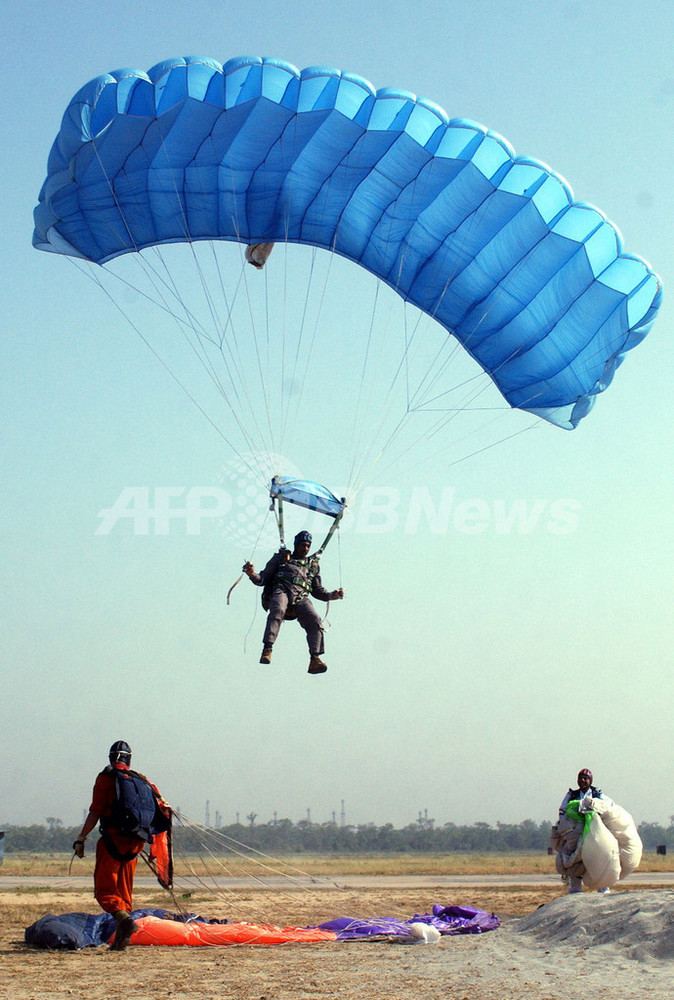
290,429
227,440
234,349
170,889
296,876
438,367
202,338
250,559
220,856
389,402
195,342
267,316
134,245
427,434
339,558
406,358
217,323
284,328
358,422
236,223
447,418
246,862
288,418
482,379
478,451
208,298
372,455
496,293
439,425
256,342
435,369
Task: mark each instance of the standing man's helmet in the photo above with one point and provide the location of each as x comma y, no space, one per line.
120,753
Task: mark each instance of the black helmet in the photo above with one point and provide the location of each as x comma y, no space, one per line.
303,536
120,753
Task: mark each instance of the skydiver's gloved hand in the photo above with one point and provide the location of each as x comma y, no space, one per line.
337,595
78,848
248,569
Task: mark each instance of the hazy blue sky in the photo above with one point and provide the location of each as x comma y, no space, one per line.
472,668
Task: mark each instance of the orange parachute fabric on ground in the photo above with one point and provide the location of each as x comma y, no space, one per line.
153,930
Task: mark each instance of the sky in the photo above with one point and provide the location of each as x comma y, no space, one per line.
507,616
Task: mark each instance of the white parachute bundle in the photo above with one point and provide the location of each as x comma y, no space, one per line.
611,848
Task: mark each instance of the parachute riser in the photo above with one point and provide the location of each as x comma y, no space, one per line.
333,528
278,514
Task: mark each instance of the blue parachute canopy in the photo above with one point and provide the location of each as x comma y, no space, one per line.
535,286
303,493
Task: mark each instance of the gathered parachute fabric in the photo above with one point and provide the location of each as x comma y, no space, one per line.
622,826
448,920
70,931
536,286
601,845
601,858
159,927
566,839
258,254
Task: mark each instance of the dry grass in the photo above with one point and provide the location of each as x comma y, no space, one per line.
58,865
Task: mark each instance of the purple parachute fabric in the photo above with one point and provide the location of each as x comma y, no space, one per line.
446,919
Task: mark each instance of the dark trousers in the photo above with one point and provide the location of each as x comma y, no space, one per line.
306,614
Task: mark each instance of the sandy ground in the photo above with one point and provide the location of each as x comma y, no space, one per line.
549,946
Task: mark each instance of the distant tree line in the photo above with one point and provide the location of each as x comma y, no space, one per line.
285,837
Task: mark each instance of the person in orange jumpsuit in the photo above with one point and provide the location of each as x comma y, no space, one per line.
116,852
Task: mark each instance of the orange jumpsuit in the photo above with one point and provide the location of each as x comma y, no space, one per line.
113,879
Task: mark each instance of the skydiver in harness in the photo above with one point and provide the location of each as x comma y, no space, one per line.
288,579
122,800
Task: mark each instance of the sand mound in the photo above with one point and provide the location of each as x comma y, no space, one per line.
637,925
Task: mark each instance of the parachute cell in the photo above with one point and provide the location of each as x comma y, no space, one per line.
534,285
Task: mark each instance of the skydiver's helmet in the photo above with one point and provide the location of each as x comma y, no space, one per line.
302,536
120,753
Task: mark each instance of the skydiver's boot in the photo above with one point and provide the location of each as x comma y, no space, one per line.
316,665
266,655
125,927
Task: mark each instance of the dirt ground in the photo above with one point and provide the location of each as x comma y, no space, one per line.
499,965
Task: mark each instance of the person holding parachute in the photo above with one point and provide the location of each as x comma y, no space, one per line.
131,813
